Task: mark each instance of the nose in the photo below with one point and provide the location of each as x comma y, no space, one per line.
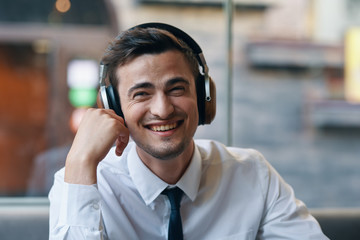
161,106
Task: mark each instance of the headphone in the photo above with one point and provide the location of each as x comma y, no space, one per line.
108,97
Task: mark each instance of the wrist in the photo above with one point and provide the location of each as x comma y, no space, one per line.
80,170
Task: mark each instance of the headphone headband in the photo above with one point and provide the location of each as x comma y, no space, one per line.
178,33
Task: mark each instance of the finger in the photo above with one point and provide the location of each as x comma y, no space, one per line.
122,140
121,143
112,113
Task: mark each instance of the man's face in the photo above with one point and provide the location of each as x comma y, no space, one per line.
158,99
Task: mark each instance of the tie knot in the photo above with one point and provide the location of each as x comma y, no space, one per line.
174,195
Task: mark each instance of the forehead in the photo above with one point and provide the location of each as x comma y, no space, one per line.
155,69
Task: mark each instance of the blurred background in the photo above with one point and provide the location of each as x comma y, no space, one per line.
287,75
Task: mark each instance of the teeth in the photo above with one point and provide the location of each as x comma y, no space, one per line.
163,128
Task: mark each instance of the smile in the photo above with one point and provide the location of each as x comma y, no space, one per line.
163,128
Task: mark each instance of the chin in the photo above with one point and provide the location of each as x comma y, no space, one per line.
165,150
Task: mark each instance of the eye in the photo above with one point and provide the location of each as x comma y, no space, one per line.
177,91
140,94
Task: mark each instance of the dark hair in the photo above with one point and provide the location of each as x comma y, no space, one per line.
138,41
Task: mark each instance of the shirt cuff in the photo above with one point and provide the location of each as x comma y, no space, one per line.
80,206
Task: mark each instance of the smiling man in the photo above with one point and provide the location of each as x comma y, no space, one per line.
158,99
164,184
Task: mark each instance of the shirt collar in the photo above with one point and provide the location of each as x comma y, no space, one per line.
150,186
190,181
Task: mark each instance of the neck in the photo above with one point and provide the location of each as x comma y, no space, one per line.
170,170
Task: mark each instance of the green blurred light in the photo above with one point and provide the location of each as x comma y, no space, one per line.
82,97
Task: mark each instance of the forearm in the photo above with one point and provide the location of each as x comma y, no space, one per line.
75,206
75,211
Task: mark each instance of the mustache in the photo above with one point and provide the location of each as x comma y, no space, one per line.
172,116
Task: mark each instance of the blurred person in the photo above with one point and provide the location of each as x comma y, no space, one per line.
47,163
164,184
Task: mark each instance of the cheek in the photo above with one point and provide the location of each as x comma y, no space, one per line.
190,107
133,113
195,114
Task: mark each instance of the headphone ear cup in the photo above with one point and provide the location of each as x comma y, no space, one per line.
114,100
200,93
101,97
206,109
210,106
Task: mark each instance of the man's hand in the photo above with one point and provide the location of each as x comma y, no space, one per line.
98,131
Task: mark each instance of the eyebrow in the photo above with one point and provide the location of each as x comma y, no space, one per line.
149,85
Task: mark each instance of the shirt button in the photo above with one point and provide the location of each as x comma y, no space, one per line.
96,206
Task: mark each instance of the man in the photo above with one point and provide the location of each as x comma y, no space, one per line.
123,193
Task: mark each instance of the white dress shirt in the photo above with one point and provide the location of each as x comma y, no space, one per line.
229,193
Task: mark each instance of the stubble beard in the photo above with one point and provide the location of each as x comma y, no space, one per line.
166,151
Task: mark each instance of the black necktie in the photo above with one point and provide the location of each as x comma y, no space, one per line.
175,227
